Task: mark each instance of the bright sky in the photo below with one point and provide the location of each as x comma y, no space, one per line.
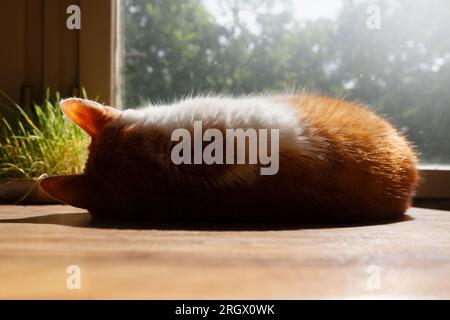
304,9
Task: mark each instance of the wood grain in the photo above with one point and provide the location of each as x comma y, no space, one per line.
37,243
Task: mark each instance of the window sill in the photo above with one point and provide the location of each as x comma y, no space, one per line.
435,182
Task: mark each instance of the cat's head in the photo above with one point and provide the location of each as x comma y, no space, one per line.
115,166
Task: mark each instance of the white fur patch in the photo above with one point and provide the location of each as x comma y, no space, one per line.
248,112
256,112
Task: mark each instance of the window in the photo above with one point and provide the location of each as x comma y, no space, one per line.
393,56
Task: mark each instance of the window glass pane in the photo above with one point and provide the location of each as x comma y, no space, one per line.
393,56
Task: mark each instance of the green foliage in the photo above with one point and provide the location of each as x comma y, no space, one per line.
176,47
41,141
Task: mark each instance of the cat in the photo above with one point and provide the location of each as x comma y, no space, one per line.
338,162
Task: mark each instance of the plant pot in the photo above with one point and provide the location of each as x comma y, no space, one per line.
24,191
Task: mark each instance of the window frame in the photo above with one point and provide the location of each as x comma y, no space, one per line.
99,55
41,52
67,60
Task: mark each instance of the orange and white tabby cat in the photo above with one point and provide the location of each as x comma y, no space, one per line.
338,162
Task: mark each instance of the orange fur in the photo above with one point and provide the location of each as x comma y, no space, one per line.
359,168
366,163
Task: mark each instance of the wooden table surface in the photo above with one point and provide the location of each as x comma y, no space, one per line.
407,259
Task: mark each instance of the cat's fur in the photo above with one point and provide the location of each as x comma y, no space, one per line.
338,161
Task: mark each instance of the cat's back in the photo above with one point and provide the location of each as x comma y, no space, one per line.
362,155
354,131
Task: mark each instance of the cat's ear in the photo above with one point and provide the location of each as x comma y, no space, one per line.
76,190
89,115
